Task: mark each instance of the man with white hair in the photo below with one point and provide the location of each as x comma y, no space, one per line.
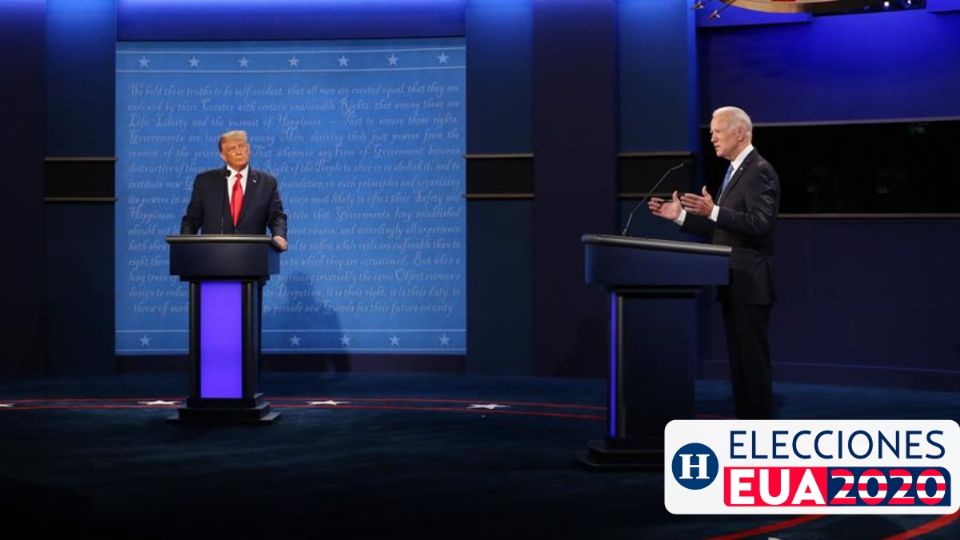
743,217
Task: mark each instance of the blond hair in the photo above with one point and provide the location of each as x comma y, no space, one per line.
229,135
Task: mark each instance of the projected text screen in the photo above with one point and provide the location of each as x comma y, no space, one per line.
366,140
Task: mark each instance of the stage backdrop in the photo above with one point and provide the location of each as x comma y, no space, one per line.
366,139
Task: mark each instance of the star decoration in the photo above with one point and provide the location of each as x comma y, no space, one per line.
442,57
327,402
294,61
295,341
394,341
345,340
194,62
343,60
392,60
158,402
144,62
488,406
243,61
444,340
144,341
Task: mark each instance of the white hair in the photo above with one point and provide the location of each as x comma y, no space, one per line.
737,117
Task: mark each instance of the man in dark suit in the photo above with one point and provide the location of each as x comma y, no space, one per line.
743,217
236,199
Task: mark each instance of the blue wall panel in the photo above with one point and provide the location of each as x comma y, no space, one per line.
500,287
81,36
658,91
575,148
287,19
79,288
81,39
22,27
856,67
499,34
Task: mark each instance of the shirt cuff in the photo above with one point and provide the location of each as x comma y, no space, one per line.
715,213
681,218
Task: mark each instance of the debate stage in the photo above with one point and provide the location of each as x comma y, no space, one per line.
362,455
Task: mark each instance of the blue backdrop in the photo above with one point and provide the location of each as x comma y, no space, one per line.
366,139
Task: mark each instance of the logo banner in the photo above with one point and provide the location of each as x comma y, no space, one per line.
811,466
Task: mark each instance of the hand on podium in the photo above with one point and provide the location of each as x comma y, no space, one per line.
280,242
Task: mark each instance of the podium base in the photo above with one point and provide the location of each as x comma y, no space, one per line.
622,455
225,412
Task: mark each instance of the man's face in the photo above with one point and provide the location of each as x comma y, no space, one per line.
728,138
235,152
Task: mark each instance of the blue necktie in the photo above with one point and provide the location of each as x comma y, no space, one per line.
726,180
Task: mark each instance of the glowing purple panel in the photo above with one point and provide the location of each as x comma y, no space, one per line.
221,340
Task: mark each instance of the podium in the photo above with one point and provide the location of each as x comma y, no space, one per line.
653,285
226,275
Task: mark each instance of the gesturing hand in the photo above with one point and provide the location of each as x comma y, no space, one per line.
665,209
697,204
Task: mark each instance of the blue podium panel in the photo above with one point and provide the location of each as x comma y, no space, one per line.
221,340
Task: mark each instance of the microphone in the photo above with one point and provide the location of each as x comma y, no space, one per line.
223,205
647,196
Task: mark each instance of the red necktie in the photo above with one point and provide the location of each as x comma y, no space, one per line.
236,202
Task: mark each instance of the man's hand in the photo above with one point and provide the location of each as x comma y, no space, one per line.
665,209
281,242
696,204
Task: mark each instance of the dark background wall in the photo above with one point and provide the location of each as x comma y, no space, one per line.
865,298
574,109
21,136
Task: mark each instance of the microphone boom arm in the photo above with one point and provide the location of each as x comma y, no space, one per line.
647,196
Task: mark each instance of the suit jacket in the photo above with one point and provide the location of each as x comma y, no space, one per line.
746,222
209,208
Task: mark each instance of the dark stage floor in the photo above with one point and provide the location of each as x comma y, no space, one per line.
372,455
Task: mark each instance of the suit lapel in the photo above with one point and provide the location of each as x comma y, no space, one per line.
253,187
225,217
738,173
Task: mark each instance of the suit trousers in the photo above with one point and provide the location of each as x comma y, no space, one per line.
750,374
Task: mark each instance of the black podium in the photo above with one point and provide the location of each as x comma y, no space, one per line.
226,275
653,286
